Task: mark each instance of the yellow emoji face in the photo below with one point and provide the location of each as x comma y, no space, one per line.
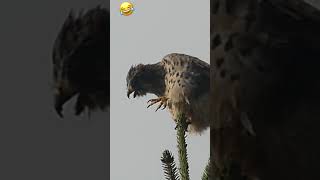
126,9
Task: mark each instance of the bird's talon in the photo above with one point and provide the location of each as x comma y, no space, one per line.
158,107
162,100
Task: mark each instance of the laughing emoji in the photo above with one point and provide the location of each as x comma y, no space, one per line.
126,9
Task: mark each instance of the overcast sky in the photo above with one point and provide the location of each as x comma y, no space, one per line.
139,135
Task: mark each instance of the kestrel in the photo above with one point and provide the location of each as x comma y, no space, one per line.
182,84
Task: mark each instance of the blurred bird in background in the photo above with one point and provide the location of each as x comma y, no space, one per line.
81,61
265,88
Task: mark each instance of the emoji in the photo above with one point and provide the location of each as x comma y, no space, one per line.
126,9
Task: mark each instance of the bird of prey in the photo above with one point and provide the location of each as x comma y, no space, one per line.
265,87
181,83
80,61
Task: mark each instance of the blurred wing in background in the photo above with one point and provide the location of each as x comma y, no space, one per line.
265,87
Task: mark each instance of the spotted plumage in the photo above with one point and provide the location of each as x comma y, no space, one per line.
265,87
182,84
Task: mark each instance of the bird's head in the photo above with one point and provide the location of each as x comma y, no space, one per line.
135,81
81,63
143,79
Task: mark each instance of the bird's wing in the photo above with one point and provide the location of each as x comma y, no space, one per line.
189,77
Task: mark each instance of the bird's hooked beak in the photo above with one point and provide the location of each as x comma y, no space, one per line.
130,91
60,98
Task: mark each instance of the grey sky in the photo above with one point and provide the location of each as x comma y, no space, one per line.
35,144
139,135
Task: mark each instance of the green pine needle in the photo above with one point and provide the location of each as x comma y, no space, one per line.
169,166
182,126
